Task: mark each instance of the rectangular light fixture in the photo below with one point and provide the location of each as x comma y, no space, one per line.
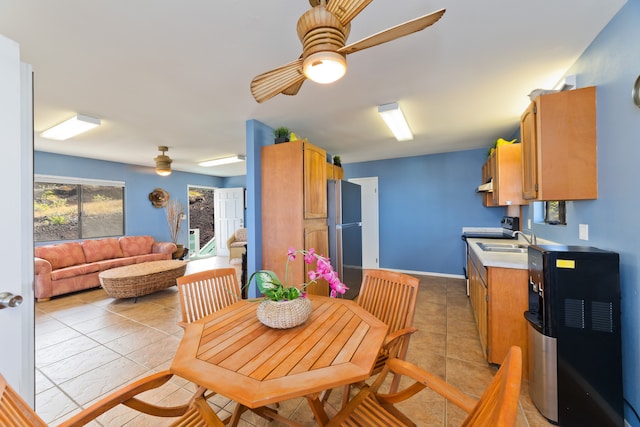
222,161
393,117
70,128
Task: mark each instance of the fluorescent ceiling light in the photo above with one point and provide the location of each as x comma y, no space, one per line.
222,161
393,117
70,128
324,67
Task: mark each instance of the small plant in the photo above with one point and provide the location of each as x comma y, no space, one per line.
101,198
336,161
58,219
282,132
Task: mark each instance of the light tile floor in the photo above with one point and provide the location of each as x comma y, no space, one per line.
89,344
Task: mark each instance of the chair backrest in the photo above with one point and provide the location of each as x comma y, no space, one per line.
391,297
498,405
14,411
206,292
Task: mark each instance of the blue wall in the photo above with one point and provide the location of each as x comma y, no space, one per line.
423,204
258,135
612,64
141,218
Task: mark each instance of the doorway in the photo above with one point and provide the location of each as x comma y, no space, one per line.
202,234
229,206
370,222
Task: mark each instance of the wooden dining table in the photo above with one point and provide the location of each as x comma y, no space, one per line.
231,353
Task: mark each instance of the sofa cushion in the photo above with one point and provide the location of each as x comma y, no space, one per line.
75,270
97,250
151,257
61,255
115,262
241,234
136,245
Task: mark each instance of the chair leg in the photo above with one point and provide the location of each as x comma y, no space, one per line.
345,395
395,384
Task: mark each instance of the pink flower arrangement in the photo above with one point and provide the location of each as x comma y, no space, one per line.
272,288
323,270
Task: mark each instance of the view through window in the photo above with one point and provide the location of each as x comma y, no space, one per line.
555,213
68,210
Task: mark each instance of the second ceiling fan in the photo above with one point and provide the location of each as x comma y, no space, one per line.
323,31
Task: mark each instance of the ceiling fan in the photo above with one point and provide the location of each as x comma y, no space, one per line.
323,31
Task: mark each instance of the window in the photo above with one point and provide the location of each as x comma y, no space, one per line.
555,213
74,208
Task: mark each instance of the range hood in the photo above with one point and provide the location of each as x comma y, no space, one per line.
488,187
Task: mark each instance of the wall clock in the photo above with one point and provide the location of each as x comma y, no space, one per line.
636,92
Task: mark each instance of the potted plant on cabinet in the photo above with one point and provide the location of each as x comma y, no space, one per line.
282,134
336,161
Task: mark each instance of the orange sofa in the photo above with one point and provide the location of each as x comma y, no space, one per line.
73,266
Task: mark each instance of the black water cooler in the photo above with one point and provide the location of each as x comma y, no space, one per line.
575,354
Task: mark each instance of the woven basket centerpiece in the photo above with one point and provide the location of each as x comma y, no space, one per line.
284,314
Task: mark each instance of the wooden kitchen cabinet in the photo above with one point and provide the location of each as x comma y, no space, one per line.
294,208
499,298
504,167
558,134
334,172
478,296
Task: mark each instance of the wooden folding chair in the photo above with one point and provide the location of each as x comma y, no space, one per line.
206,292
392,298
497,407
14,411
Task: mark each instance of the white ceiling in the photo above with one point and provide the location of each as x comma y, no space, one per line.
177,73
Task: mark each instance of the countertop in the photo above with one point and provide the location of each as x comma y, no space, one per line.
499,259
504,259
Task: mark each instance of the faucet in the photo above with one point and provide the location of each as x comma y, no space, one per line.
531,240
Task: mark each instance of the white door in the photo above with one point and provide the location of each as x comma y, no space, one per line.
229,215
370,230
16,258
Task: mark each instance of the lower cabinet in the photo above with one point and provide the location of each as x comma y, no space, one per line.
499,298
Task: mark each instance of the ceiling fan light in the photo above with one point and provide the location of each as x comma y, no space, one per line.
393,117
324,67
163,162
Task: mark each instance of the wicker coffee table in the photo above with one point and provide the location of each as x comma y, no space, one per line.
132,281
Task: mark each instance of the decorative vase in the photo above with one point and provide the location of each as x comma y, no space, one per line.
179,253
284,314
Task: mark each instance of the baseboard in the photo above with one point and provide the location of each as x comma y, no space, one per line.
427,273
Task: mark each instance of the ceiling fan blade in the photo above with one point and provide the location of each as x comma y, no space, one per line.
293,89
346,10
280,80
393,33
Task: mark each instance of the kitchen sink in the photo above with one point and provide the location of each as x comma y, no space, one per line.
503,247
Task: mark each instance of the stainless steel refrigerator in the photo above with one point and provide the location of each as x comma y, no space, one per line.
345,233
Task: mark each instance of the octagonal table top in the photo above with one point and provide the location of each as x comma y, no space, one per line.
232,353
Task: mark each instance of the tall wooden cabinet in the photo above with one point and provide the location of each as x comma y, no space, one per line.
558,134
294,208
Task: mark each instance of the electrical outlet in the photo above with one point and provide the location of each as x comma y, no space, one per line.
583,231
529,223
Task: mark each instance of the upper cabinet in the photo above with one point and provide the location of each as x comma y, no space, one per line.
503,169
558,134
334,172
